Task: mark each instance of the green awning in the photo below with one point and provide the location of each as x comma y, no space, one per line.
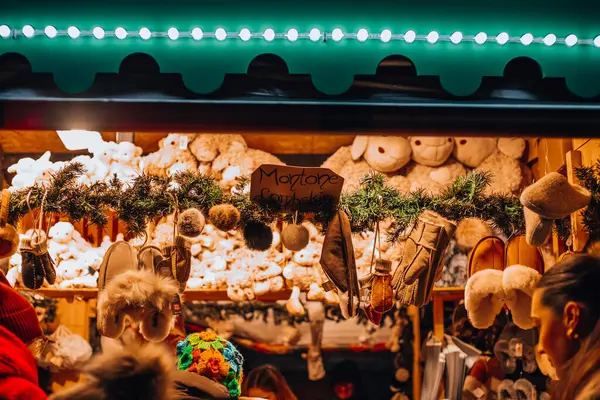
330,40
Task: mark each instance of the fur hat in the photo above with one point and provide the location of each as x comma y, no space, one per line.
210,363
142,296
136,371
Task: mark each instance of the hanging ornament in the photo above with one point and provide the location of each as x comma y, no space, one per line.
295,237
224,217
258,236
382,294
191,223
9,237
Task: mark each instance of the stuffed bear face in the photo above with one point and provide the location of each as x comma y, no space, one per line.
62,232
104,152
126,152
382,153
431,151
472,151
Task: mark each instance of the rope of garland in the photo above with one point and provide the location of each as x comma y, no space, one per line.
150,197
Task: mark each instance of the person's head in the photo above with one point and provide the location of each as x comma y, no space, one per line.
565,307
18,316
267,382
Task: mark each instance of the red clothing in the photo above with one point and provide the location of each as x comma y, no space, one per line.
18,371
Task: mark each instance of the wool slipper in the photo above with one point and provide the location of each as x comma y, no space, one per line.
484,297
144,297
488,253
119,258
518,251
537,228
553,197
525,390
506,390
508,363
519,283
339,264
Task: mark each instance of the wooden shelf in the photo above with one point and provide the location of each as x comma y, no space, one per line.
449,293
189,295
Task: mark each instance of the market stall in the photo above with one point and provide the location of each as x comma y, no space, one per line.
314,182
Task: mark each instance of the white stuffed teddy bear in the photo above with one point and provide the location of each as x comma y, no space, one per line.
102,160
382,153
431,151
62,245
173,149
126,162
29,171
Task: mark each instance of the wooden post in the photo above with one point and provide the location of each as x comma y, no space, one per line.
579,236
413,313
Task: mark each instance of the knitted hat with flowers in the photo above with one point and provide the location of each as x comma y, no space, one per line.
213,357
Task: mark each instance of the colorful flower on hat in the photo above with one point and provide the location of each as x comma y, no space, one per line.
233,386
212,364
185,359
233,357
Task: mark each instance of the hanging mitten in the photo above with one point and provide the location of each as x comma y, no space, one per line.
519,283
37,263
339,264
178,262
316,316
9,237
382,294
550,198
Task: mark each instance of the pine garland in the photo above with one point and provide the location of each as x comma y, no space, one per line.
150,197
589,177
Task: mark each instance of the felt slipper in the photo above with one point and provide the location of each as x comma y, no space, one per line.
506,390
519,283
518,251
508,363
537,228
488,253
553,197
339,264
525,390
484,297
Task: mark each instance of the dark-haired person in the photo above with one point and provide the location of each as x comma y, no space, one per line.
267,382
566,310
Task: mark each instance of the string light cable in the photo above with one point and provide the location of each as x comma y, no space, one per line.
292,35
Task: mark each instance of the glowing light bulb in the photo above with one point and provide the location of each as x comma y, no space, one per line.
314,34
386,35
292,35
173,33
596,41
145,33
269,34
220,34
481,38
245,34
502,38
28,31
362,35
527,39
410,36
73,32
337,34
549,39
433,37
197,33
50,31
4,31
456,37
120,33
98,33
571,40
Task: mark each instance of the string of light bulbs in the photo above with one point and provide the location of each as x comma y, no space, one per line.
292,35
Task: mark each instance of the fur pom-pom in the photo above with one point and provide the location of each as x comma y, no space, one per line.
484,297
258,236
295,237
191,223
121,369
224,217
519,282
470,231
138,294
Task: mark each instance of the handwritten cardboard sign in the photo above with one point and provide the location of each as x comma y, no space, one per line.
295,188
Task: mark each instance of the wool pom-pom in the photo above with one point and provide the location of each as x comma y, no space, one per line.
295,237
224,217
191,223
258,236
